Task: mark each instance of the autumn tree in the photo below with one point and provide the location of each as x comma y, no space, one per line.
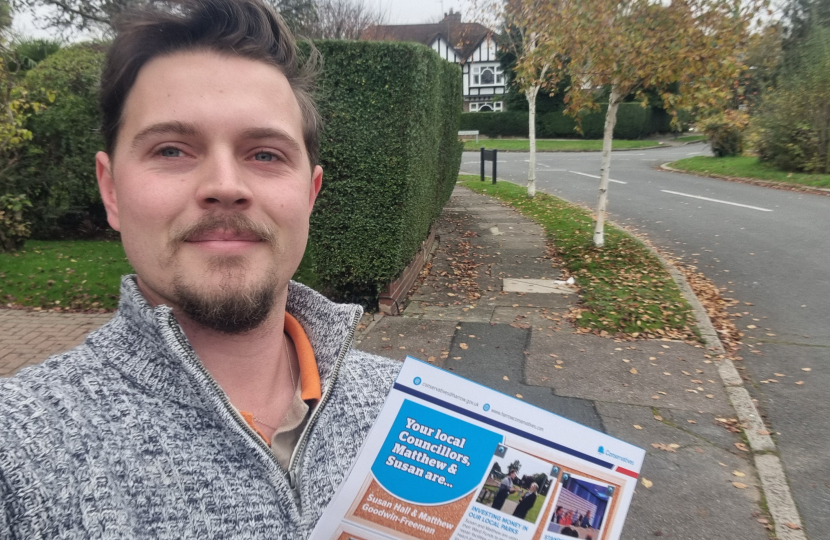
630,46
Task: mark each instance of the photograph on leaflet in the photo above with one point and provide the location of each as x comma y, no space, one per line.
581,508
517,484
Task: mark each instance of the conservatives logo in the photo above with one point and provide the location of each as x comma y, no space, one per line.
610,454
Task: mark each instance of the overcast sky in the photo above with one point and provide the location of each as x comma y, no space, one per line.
398,12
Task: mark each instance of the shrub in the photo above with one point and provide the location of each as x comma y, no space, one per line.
57,168
725,132
14,229
633,122
497,124
390,155
792,128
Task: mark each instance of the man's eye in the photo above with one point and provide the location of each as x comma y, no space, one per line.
264,156
170,152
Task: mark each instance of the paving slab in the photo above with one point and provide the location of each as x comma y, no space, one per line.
692,494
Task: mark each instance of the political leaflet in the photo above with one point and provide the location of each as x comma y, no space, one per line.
449,459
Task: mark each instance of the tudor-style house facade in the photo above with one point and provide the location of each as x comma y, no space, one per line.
471,45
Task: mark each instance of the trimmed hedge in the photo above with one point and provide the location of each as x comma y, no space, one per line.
633,122
391,158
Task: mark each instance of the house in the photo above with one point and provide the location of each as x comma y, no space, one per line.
469,44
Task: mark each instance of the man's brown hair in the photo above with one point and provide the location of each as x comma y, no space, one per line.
246,28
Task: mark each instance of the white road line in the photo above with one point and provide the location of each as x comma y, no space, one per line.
597,177
716,200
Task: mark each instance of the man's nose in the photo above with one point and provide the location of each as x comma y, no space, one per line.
223,184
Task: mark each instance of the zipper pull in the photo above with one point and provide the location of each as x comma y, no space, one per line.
292,480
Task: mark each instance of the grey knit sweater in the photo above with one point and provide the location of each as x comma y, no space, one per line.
126,436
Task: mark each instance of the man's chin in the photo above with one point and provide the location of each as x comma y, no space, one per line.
230,306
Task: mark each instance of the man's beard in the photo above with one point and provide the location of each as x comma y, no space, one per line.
234,308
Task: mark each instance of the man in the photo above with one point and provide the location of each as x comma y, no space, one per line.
221,401
586,520
526,502
505,489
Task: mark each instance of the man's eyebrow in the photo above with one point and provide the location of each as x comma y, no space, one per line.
162,128
272,133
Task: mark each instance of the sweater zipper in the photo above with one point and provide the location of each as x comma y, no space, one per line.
223,398
300,448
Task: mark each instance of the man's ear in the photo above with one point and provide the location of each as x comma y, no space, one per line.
106,185
316,184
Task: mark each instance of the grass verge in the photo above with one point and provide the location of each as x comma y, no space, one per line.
749,167
72,275
557,145
624,288
76,275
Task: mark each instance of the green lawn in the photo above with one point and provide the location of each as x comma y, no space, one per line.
623,286
749,167
555,145
77,275
67,274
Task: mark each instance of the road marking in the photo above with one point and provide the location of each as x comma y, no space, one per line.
716,200
597,177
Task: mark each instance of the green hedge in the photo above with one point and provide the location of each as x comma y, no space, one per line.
391,158
633,122
57,167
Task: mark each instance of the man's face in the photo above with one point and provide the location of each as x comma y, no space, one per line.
211,186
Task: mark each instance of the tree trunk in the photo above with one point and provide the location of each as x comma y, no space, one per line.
605,166
531,129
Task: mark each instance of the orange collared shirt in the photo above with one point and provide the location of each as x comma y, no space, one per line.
307,395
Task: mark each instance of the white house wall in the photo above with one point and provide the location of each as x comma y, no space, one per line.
444,50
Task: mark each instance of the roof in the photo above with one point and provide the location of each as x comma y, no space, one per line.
463,37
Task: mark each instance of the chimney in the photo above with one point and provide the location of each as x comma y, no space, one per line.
452,17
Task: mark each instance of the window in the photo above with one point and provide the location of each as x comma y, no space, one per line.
498,106
487,76
485,107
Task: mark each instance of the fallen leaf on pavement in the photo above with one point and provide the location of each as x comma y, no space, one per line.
519,396
741,446
793,526
646,482
674,445
658,417
739,474
739,485
463,345
633,371
691,421
751,326
506,378
661,446
806,369
431,359
655,397
637,427
764,432
799,383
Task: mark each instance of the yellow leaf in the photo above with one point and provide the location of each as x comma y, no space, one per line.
739,485
646,482
463,346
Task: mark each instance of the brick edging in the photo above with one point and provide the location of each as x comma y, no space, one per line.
390,301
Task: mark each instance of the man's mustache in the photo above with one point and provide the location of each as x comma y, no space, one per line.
235,223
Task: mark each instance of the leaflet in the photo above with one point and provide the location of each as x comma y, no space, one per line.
449,459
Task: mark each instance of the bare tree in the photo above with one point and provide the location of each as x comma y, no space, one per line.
342,19
317,19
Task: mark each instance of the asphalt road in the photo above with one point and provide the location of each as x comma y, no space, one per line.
769,248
